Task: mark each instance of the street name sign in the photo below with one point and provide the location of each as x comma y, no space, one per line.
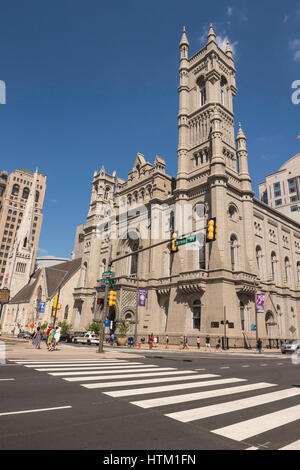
183,241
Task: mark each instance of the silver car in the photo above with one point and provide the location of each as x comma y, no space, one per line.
290,346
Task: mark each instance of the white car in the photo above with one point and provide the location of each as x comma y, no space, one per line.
87,338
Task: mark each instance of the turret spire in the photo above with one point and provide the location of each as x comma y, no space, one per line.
211,34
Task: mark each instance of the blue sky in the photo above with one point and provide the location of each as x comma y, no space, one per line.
91,83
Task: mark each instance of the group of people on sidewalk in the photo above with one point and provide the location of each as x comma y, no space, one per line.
52,337
183,343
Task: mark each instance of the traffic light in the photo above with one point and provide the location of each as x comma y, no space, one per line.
211,235
55,299
112,298
174,238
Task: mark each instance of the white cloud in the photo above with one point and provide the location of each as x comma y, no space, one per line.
229,11
285,18
222,43
295,46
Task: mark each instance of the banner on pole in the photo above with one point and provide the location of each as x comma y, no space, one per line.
142,297
260,303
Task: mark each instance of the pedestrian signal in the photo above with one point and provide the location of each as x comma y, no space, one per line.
174,248
112,298
211,234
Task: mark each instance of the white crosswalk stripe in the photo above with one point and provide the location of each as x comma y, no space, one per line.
119,378
199,395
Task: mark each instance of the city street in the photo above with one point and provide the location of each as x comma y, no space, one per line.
155,400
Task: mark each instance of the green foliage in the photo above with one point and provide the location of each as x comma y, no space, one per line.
123,328
65,327
94,327
43,327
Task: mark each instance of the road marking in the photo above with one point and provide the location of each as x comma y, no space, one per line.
229,407
246,366
125,376
5,380
200,369
292,446
225,367
77,361
34,411
252,448
263,365
145,381
89,367
134,369
199,395
255,426
166,388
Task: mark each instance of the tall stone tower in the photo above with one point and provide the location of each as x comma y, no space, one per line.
20,258
207,85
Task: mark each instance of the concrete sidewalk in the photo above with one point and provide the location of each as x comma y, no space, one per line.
16,348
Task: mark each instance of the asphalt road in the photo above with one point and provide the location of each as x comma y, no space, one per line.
43,411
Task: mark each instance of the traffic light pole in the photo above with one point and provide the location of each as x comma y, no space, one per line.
104,310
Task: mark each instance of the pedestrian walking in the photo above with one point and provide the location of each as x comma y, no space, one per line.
198,342
151,339
218,345
57,336
112,338
51,338
37,338
186,343
207,343
167,341
259,345
181,342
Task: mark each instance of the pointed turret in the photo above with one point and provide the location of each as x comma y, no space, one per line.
242,155
184,40
228,50
211,34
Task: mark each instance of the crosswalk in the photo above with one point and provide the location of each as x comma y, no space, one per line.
189,395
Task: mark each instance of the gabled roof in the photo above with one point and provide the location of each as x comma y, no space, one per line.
59,274
24,295
55,276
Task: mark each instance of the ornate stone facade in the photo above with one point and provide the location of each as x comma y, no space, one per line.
188,292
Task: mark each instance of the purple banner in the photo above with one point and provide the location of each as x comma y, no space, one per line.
142,297
260,303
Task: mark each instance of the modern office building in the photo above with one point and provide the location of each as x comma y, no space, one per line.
281,190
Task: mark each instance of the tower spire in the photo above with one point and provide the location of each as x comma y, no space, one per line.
184,40
211,34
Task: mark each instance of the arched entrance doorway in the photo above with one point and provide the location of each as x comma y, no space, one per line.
271,329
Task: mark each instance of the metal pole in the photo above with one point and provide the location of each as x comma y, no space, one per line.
105,309
136,314
225,327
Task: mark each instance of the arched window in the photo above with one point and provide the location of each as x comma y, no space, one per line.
298,272
66,312
196,310
84,275
134,257
287,271
25,242
234,252
37,196
202,90
106,193
15,190
25,193
259,260
273,266
223,90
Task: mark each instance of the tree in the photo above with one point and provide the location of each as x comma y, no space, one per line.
94,327
123,328
65,327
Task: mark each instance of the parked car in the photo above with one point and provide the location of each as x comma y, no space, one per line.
66,337
290,346
25,335
87,338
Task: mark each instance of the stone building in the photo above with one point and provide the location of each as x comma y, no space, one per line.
195,290
25,309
